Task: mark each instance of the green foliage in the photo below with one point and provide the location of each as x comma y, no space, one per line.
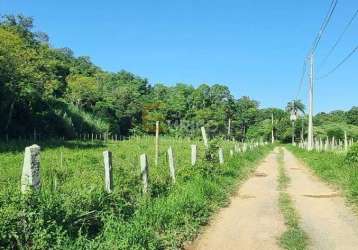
352,116
211,153
295,107
352,155
73,212
41,84
294,238
336,129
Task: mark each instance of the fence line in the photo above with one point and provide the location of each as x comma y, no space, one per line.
30,179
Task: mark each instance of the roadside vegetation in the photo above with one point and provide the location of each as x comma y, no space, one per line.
72,211
340,169
294,238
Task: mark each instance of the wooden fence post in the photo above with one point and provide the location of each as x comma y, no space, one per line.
231,152
156,142
205,138
171,164
30,178
144,172
221,156
193,154
345,141
108,177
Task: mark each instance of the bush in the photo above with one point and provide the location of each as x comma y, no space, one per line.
211,153
352,155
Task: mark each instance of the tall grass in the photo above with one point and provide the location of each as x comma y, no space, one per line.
72,211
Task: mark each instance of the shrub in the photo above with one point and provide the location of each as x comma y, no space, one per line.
211,153
352,155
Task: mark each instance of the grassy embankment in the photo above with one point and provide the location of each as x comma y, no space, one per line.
73,212
294,238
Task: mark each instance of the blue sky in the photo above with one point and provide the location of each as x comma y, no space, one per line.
256,47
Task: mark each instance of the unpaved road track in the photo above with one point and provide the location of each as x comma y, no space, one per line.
324,217
252,220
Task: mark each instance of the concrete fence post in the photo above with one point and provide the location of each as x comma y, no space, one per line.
156,143
30,178
144,172
205,138
221,156
193,154
108,177
171,164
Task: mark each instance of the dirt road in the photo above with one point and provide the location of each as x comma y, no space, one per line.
324,217
252,220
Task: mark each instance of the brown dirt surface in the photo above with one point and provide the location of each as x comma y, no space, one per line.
329,223
252,220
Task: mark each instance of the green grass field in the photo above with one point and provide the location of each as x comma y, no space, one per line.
72,211
333,168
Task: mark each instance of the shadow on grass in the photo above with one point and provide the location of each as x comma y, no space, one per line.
17,146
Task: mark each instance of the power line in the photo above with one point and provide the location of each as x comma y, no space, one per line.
339,38
324,25
311,77
339,64
316,41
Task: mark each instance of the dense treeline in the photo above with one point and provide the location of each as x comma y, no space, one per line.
58,94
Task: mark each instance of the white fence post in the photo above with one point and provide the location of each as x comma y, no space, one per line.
171,164
144,172
156,142
205,138
30,178
193,154
108,177
221,156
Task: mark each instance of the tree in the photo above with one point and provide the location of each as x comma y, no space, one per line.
22,83
247,113
352,116
293,108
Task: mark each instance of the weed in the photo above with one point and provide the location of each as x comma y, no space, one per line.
294,238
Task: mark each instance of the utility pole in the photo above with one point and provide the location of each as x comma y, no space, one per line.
272,134
310,105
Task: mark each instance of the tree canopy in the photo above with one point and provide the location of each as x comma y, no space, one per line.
58,94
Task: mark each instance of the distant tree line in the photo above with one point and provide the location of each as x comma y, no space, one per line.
55,93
